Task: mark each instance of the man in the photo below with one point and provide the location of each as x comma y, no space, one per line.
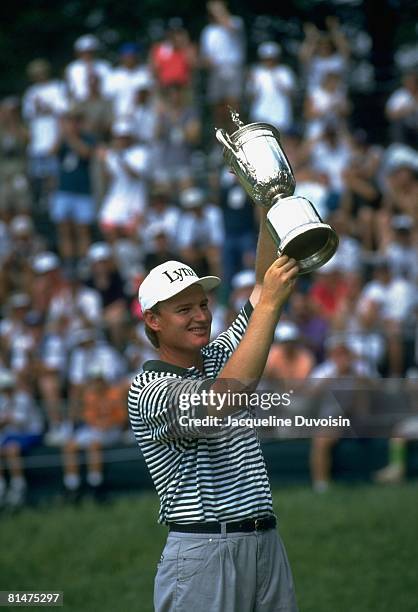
222,553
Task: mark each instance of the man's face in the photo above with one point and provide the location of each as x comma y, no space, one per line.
184,321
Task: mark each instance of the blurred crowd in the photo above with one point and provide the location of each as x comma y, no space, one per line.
107,170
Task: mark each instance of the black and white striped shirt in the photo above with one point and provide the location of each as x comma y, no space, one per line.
220,477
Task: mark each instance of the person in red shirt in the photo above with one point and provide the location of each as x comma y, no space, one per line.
174,58
329,289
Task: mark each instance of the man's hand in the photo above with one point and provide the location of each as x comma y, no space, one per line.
279,281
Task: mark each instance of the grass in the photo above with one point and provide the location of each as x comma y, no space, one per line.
351,549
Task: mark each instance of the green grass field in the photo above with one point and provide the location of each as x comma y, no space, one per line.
353,549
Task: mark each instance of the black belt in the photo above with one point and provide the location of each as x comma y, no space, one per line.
245,526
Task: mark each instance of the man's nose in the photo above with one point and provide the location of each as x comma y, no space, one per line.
201,314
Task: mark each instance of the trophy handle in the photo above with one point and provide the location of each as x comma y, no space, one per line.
223,138
247,169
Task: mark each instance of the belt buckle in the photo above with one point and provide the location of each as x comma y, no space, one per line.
257,524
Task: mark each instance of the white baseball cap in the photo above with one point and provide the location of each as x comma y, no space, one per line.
99,251
45,262
169,279
88,42
286,331
192,197
268,49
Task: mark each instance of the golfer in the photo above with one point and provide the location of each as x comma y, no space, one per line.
223,552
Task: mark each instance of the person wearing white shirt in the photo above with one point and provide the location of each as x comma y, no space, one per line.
127,165
124,80
324,104
42,105
402,110
330,155
394,300
270,87
222,48
341,363
78,73
20,429
202,232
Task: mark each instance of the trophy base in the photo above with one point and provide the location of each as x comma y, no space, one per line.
311,245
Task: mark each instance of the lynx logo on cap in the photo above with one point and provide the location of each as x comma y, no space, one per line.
168,279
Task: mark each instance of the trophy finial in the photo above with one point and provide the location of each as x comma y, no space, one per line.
235,117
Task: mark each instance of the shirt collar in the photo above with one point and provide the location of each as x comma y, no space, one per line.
156,365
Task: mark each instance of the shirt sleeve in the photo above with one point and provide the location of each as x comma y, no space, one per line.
166,406
229,339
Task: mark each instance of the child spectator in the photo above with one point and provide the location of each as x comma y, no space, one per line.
103,416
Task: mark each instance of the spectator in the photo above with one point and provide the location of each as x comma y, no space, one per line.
73,206
127,165
341,363
178,133
12,325
326,105
16,272
202,232
79,73
271,86
43,104
107,281
239,220
362,196
329,156
323,52
47,283
89,349
400,190
402,111
401,251
158,246
103,419
124,80
161,212
20,430
288,360
242,284
329,288
222,49
394,302
144,113
174,59
14,186
311,322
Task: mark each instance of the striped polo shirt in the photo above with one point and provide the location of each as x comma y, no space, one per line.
216,477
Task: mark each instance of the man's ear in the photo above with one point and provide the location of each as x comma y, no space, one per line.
152,320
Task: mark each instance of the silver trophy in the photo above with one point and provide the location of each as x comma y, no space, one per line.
254,153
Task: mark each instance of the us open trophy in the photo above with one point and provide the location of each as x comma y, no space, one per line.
254,153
